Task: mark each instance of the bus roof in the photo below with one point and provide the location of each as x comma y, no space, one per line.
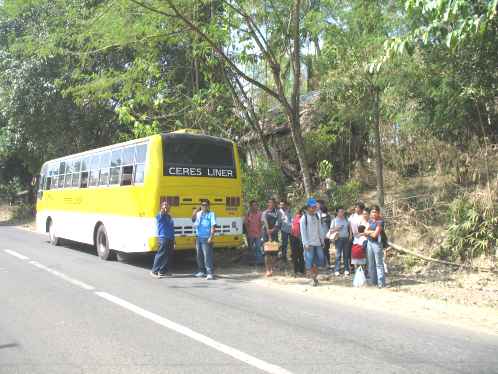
179,133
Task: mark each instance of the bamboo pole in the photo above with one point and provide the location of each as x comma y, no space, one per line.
429,259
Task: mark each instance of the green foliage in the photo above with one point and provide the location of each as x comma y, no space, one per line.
23,212
473,230
9,190
345,195
263,181
324,169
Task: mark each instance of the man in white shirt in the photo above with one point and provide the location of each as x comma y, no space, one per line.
313,238
356,218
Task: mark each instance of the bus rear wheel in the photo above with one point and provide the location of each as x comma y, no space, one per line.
102,244
54,240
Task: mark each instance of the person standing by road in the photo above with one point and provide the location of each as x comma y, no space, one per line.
340,225
325,220
285,229
375,251
356,218
166,234
296,244
205,223
254,230
313,238
271,225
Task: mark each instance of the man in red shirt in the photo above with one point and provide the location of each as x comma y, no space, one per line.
254,229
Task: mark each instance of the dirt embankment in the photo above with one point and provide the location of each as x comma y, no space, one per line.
463,299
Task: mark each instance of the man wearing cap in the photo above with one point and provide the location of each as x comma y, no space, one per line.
313,238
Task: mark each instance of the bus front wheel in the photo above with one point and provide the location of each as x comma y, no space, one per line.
54,240
102,244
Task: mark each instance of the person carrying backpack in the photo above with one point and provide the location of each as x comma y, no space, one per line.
295,243
313,239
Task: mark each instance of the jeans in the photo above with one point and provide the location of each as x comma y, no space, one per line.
204,255
255,248
375,254
297,254
163,255
313,256
285,243
341,250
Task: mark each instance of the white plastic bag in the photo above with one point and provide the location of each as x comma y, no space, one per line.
359,279
385,268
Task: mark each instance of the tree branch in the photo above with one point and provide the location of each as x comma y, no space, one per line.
213,45
255,32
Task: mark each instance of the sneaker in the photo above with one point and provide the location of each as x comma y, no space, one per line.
337,273
153,274
163,275
210,277
346,273
200,274
268,274
315,282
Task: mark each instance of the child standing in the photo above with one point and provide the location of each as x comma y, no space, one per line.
358,250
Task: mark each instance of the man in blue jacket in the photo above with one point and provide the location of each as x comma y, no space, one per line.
205,225
166,234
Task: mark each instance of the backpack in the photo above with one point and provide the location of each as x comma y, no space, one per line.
384,239
306,219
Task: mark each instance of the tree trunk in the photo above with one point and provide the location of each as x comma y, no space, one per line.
379,164
293,115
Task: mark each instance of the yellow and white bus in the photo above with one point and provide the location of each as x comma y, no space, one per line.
109,197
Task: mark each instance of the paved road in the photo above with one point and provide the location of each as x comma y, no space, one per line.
65,311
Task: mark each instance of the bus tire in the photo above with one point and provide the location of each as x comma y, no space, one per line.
102,244
54,240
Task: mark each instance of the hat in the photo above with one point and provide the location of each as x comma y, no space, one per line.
311,202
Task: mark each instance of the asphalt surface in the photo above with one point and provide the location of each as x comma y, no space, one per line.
63,310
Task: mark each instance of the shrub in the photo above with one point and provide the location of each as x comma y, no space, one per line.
473,229
23,212
263,181
9,190
344,195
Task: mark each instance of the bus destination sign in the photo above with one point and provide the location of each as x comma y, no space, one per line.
213,172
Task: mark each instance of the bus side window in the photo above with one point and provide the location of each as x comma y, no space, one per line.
54,172
127,168
105,160
62,170
69,174
85,164
140,155
76,173
48,178
116,161
94,171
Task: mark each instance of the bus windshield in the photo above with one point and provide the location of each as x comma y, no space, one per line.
198,156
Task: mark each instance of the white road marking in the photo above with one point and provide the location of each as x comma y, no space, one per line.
235,353
63,276
15,254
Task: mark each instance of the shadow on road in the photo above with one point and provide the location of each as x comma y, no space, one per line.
231,264
9,345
